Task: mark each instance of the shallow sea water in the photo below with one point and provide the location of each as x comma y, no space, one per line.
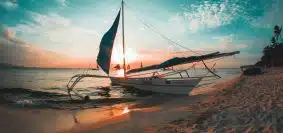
46,88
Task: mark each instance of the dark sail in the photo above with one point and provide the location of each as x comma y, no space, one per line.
183,60
106,45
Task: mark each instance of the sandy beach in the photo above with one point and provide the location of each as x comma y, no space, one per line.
138,116
141,66
151,115
252,105
241,104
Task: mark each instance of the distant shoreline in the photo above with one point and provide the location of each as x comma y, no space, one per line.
9,66
44,68
37,68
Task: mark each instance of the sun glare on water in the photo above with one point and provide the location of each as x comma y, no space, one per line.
126,110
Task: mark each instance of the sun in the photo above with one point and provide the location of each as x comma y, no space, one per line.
117,55
120,73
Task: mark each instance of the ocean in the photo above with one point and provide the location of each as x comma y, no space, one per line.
46,88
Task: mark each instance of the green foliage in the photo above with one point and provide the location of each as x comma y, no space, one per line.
273,53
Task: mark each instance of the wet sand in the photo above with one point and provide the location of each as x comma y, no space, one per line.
14,120
150,115
139,119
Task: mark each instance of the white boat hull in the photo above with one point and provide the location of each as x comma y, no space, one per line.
163,85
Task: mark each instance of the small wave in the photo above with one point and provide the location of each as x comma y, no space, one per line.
24,102
20,97
70,104
29,92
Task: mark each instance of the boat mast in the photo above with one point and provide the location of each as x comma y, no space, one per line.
123,39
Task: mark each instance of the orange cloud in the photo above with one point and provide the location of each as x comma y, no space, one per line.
17,52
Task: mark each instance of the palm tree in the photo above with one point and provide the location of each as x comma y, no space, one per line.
273,41
266,58
277,32
273,54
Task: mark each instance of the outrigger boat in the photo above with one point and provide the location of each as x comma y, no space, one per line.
156,81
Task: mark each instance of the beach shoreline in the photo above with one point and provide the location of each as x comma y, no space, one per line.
243,104
147,115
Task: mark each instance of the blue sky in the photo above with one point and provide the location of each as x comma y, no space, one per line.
74,28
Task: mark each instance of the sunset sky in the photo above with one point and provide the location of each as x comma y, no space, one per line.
67,33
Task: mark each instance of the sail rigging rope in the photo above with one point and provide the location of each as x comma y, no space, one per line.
163,36
158,33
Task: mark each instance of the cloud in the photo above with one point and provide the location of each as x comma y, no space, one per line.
250,50
178,21
56,32
9,4
241,46
227,43
211,14
8,33
62,2
18,52
224,43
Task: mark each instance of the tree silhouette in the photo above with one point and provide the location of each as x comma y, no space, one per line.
277,31
273,54
273,40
